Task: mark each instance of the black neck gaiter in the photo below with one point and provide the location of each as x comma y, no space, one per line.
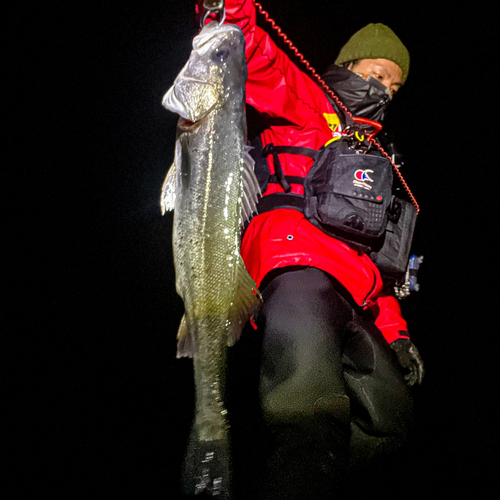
366,98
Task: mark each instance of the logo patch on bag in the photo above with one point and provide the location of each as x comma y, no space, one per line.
362,177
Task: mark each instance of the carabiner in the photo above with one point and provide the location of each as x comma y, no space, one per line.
214,6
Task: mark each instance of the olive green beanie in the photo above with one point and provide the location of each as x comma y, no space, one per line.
376,41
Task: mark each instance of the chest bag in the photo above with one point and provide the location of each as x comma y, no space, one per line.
347,195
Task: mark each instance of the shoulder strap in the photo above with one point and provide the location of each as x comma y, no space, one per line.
281,178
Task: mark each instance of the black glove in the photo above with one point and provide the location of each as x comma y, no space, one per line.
409,358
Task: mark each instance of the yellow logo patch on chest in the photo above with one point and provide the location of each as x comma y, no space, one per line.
333,121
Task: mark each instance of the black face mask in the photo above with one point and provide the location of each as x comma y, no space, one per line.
366,98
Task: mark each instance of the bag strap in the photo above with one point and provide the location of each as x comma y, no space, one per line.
279,177
293,150
292,179
281,200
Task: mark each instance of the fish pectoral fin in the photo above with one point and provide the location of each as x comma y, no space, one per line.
251,188
248,300
186,346
167,201
169,188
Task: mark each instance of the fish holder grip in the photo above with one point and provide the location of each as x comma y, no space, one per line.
213,7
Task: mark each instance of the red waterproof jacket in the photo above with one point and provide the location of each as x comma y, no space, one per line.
283,237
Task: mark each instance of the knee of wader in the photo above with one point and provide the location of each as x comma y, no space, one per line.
293,409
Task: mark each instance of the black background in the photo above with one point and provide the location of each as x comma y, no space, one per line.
101,408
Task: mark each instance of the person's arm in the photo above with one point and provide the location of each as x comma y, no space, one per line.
388,318
390,322
274,82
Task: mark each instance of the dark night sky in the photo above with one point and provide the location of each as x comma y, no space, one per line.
102,403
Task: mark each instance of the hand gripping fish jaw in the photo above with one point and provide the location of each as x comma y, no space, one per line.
213,7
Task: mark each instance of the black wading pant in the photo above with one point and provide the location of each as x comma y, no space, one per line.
332,398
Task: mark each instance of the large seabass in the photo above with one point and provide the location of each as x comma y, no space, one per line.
213,190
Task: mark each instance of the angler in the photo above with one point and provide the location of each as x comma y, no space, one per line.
326,249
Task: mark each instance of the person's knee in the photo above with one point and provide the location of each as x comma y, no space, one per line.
292,403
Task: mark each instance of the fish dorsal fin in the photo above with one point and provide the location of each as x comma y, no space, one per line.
251,189
247,301
169,188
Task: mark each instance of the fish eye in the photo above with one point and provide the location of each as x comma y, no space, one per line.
220,55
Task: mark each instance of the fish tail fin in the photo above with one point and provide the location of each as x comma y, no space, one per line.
248,299
186,343
251,188
207,467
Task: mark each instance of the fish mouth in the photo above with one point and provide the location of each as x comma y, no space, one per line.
191,98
